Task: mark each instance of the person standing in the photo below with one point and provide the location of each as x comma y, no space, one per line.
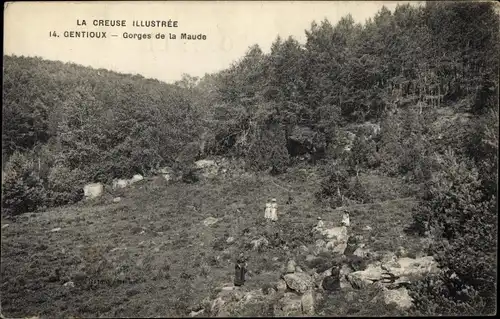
274,210
267,212
240,270
345,219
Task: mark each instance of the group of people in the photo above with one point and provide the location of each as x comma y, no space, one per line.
271,213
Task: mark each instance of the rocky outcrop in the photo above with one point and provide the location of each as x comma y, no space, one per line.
396,271
299,282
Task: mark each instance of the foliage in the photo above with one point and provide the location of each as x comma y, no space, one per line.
22,189
463,219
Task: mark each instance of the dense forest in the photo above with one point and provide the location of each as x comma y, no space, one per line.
66,125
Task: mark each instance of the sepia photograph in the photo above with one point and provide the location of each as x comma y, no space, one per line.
177,159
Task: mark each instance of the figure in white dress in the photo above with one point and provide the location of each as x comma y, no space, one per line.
267,212
274,210
320,225
345,219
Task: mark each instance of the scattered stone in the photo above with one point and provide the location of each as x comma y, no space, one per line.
298,269
361,252
195,313
229,240
69,284
55,229
120,183
156,250
399,297
136,178
210,221
117,199
275,259
367,228
307,303
93,190
345,270
299,282
289,305
402,252
290,267
310,258
281,286
257,243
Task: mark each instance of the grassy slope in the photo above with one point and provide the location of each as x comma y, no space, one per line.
177,261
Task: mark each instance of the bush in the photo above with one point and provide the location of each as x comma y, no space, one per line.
463,220
64,186
23,190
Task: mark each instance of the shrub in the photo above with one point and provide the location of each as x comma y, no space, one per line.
23,190
64,185
463,220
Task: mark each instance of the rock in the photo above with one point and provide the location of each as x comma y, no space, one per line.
281,286
299,282
210,221
361,252
258,243
319,246
53,230
403,267
298,269
205,163
117,199
367,228
229,240
304,248
307,303
310,258
120,183
5,226
345,270
289,305
167,177
337,239
290,267
399,297
93,190
69,284
216,306
402,252
195,313
136,178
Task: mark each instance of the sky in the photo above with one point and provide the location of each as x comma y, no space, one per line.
230,28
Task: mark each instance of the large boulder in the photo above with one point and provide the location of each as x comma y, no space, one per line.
303,140
299,282
93,190
401,269
336,238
